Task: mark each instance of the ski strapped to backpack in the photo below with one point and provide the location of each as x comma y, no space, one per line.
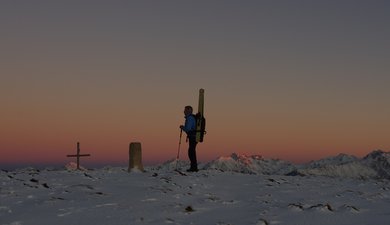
199,118
202,131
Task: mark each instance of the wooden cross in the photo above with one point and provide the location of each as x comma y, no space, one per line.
78,155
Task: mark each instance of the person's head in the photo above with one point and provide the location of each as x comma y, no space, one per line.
188,110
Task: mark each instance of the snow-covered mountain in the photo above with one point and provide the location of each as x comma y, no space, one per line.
353,169
380,162
375,165
340,159
254,164
342,165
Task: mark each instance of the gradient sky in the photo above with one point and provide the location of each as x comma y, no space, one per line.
295,80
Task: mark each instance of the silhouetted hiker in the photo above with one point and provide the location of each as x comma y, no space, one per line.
190,128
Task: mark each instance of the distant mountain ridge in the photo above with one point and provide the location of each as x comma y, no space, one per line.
374,165
254,164
380,162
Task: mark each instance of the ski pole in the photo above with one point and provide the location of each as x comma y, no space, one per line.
178,150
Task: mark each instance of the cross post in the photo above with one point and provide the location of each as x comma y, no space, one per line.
78,155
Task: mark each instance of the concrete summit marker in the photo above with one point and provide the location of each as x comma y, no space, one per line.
135,156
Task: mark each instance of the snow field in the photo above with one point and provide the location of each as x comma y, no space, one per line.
162,196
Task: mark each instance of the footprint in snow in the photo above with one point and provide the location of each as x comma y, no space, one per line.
230,202
169,220
349,208
296,207
262,222
82,186
322,207
212,198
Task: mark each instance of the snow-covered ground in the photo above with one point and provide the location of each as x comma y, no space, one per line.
224,192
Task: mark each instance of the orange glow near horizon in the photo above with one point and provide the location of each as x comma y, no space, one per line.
42,137
33,149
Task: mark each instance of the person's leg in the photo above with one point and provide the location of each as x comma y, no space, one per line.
192,153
